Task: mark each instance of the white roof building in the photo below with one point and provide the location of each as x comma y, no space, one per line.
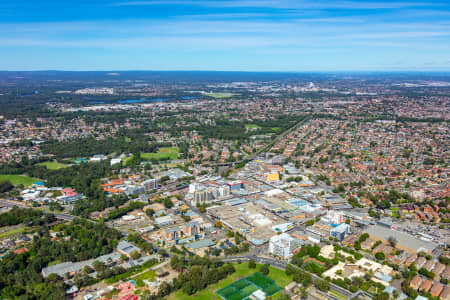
283,245
115,161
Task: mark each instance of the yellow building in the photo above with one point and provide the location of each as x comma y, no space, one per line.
273,177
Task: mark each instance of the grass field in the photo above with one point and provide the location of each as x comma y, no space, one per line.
242,270
219,95
394,211
18,179
53,165
252,126
163,153
148,275
11,232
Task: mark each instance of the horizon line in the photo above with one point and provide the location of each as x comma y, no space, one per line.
242,71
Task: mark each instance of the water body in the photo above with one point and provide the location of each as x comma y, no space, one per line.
188,98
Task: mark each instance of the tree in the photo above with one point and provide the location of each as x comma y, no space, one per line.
251,264
98,266
5,186
304,294
123,257
135,254
168,203
426,273
264,269
87,270
363,237
382,296
149,212
322,285
392,241
55,206
283,297
290,269
164,289
380,256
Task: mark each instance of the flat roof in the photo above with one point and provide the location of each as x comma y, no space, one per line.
200,244
237,201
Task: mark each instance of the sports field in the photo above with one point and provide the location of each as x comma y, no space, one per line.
242,271
52,165
244,287
18,179
166,153
252,126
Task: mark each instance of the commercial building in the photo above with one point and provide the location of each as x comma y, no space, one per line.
164,221
206,243
126,248
340,231
283,245
283,227
334,217
235,185
151,184
207,191
181,234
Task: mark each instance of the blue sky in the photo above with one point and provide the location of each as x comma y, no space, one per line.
247,35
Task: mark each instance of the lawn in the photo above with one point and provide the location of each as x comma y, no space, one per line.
252,126
18,179
219,95
148,275
167,153
55,262
242,270
53,165
394,211
11,232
